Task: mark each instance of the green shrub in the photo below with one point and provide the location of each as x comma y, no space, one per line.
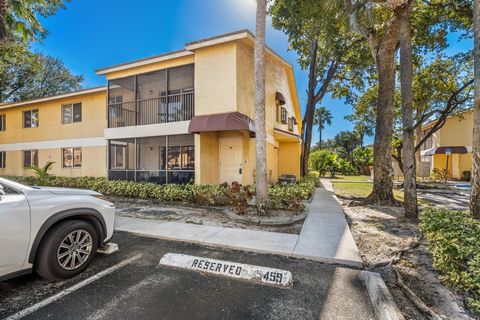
324,161
286,197
439,174
453,241
467,175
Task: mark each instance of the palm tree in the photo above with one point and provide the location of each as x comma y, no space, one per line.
41,173
19,18
322,117
475,196
259,101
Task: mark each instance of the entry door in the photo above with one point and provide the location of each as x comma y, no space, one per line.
14,230
231,158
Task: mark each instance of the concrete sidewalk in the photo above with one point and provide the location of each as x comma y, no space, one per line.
325,235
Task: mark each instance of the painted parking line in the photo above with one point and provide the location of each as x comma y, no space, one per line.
71,289
262,275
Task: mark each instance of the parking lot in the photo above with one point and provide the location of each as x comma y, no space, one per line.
129,284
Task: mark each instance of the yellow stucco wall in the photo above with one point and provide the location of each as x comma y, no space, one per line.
223,83
215,79
94,163
50,120
457,131
206,158
288,152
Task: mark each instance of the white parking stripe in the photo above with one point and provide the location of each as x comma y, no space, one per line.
73,288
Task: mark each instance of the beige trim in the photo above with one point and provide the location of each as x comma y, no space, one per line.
150,130
60,96
217,40
138,63
55,144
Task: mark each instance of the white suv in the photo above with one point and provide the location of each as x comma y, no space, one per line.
55,231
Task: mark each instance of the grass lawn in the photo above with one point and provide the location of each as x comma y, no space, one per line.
349,178
363,189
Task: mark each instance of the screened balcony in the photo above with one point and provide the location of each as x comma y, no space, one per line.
156,97
161,159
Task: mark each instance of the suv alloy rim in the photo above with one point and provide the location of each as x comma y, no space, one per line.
74,249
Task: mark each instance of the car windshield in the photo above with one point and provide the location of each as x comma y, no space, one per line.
12,184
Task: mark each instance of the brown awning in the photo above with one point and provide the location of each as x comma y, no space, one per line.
279,98
230,121
446,150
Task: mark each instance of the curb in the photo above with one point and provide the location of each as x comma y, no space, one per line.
381,298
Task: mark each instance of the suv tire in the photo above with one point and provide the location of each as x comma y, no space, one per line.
67,250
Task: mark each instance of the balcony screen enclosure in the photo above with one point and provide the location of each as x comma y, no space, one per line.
161,159
155,97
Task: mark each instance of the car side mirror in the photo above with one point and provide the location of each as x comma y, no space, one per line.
2,192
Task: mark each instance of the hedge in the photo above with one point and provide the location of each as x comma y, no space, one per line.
287,197
454,238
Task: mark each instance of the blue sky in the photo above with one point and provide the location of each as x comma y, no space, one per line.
92,34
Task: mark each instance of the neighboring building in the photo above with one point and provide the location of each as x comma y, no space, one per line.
450,147
169,118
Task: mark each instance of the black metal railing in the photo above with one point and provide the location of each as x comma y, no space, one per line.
171,108
153,176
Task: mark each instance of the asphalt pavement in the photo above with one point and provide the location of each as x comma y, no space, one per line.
130,284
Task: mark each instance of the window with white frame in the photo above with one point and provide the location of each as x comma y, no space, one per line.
3,159
72,157
30,118
71,113
30,158
3,122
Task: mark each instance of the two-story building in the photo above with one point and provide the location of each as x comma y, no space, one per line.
450,147
170,118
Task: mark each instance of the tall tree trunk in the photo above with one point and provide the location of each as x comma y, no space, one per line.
408,150
3,25
384,55
260,130
310,108
475,197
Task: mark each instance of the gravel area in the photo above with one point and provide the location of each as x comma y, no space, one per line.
379,232
211,216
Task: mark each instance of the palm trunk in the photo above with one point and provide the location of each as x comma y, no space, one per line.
408,150
475,197
320,137
310,108
260,131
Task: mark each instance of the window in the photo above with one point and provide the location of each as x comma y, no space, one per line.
8,190
291,122
30,118
72,157
117,156
2,159
72,113
284,115
30,158
3,122
115,100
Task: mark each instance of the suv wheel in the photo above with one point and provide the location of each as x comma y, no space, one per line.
67,250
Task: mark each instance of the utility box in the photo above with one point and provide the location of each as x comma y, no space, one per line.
287,178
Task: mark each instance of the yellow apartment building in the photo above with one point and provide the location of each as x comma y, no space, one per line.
450,147
170,118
